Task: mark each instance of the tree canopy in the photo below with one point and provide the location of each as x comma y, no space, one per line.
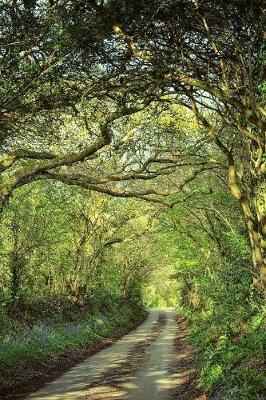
132,159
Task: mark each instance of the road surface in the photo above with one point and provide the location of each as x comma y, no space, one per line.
149,379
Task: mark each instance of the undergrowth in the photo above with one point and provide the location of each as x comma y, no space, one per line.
228,331
28,341
232,362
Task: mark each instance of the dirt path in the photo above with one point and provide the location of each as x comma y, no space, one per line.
137,367
153,380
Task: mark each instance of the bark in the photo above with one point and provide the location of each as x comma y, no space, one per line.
255,221
255,224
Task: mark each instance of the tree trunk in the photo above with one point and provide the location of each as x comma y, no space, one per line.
256,225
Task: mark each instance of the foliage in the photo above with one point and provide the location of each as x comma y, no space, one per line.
218,295
132,171
23,347
74,254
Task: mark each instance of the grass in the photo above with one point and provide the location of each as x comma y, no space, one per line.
22,346
232,363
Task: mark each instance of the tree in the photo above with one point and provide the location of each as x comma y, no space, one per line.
206,56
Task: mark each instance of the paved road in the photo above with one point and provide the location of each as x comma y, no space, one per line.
151,380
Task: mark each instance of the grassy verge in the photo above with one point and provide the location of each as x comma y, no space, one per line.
232,362
31,355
